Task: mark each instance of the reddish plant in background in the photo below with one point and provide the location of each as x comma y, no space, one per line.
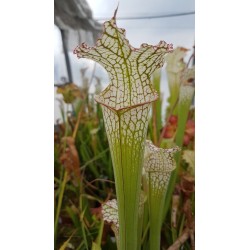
172,126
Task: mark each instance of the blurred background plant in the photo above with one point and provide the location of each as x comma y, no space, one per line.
84,177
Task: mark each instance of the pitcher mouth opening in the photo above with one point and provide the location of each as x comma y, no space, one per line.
97,99
163,158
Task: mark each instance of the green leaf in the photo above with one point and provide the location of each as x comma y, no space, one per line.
66,243
156,112
185,99
74,217
95,246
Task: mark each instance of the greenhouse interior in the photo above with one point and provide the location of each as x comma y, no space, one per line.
124,125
